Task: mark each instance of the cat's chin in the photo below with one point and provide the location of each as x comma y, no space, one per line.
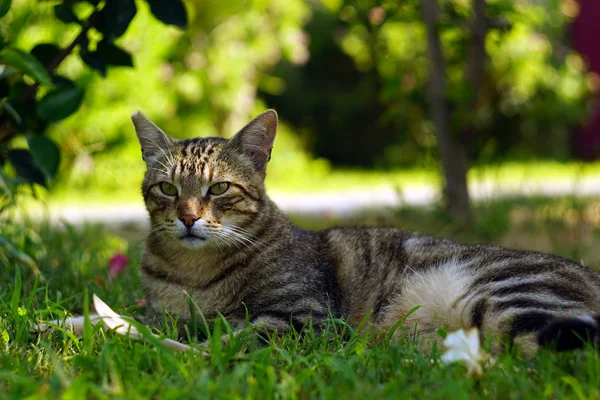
193,242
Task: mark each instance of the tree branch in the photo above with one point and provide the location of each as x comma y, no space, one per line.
56,61
29,93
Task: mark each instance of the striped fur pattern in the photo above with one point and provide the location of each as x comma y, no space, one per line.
234,252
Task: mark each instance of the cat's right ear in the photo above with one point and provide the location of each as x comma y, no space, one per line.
154,141
255,140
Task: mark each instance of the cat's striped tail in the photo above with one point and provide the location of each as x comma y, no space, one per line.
569,333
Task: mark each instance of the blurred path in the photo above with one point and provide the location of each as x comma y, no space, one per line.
349,202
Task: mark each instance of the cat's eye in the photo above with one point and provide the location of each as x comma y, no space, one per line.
219,188
168,189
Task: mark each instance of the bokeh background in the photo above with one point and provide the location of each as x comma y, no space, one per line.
368,108
348,79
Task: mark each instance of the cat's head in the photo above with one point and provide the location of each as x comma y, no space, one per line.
205,191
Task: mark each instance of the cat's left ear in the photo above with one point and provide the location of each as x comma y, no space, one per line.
256,139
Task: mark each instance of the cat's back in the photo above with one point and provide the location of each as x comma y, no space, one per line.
375,266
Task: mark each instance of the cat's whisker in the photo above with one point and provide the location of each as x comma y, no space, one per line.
226,241
231,239
169,158
240,238
217,243
157,230
244,244
162,171
241,230
167,168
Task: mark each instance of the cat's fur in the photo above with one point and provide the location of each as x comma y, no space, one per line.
242,255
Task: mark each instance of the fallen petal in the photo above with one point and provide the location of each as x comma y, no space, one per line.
75,324
112,321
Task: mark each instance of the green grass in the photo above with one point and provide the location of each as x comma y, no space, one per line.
72,264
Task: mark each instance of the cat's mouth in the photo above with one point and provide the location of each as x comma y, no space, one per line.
191,237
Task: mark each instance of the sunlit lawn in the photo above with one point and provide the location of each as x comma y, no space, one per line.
338,364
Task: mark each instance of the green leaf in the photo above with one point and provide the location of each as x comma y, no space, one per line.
65,13
4,7
59,103
170,12
45,154
11,111
15,297
115,17
25,166
88,342
114,55
94,60
5,184
27,64
45,52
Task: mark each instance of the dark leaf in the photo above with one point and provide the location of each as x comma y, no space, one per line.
2,42
46,154
115,17
59,103
45,52
25,166
94,60
4,7
26,111
12,112
4,88
18,88
65,13
114,55
27,64
170,12
61,81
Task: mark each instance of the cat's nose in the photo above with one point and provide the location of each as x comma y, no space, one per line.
188,219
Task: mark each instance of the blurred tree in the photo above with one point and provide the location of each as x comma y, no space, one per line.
499,71
452,145
33,95
350,75
452,151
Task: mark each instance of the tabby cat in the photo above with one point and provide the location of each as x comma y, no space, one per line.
216,235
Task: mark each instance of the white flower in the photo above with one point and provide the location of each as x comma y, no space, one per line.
464,348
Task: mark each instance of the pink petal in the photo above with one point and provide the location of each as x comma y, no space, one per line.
117,264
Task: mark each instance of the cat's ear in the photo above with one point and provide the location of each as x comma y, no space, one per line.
154,142
256,139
